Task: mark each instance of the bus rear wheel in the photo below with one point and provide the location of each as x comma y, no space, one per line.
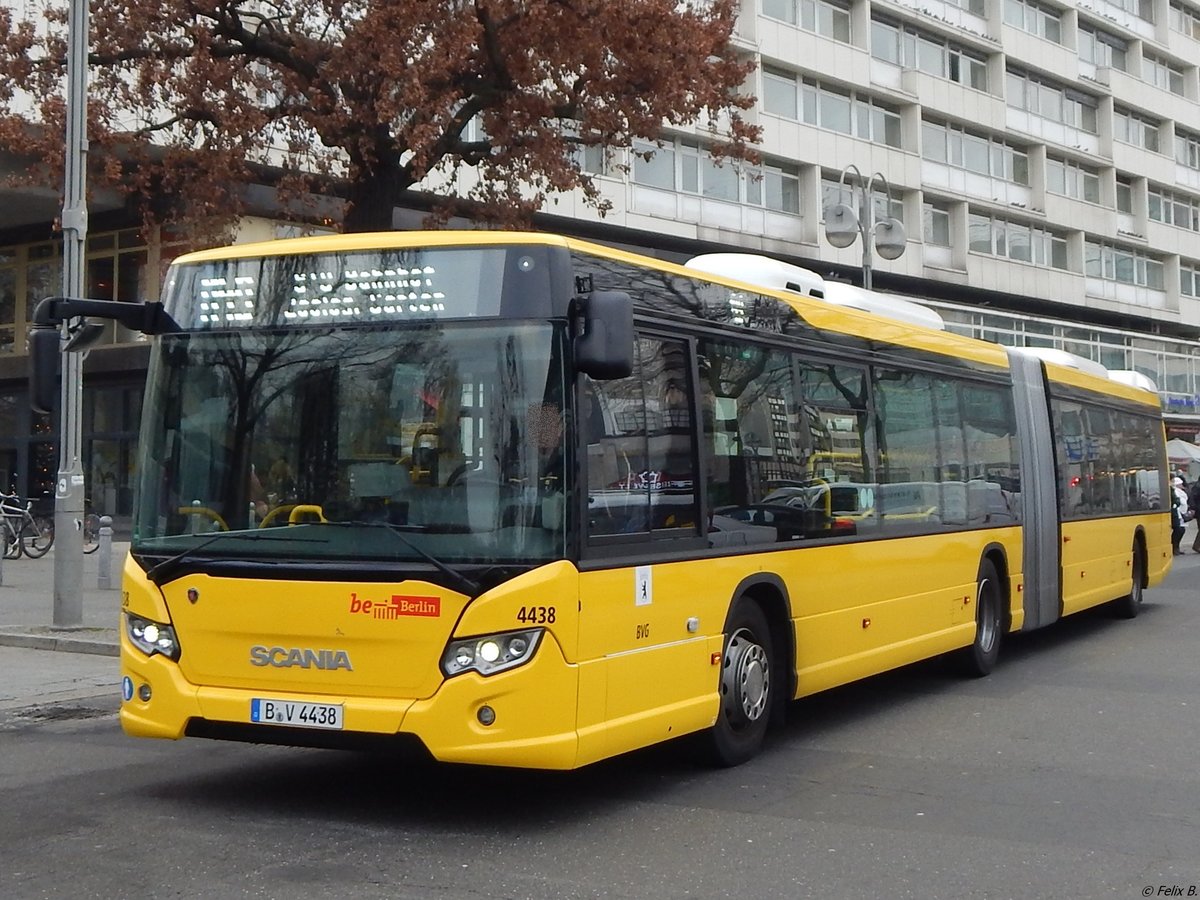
746,688
980,658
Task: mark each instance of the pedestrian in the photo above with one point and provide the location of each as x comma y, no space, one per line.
1193,508
1178,511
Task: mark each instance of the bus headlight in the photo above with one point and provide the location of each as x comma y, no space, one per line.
151,637
490,653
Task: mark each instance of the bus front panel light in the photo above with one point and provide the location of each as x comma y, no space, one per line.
489,654
151,637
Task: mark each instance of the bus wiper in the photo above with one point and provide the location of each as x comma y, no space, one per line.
472,588
161,572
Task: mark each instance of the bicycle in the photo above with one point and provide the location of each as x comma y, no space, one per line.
23,531
91,533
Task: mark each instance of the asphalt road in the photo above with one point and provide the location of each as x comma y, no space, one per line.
1070,772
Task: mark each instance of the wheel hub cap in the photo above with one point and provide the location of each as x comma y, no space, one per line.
746,681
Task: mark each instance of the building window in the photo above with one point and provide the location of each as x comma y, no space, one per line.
935,225
977,153
594,160
1173,209
781,93
1130,128
775,187
1185,20
116,270
1112,263
1162,74
684,166
654,166
1189,280
1072,180
1124,195
1034,18
1018,241
905,46
828,19
977,7
1187,149
1049,101
832,108
1101,49
1143,9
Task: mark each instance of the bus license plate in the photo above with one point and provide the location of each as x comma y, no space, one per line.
302,715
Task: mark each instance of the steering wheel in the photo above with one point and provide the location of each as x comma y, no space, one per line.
205,512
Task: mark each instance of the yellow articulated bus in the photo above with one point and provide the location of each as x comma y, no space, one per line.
522,500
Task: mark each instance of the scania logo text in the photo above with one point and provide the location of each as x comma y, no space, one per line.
299,657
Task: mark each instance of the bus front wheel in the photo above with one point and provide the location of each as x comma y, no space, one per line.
1130,605
745,687
980,658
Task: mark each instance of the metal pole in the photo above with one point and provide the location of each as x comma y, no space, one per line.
69,490
104,555
864,230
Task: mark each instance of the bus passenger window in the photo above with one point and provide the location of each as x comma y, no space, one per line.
835,439
753,463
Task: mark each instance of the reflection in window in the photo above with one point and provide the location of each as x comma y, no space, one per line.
1108,460
947,452
638,440
752,445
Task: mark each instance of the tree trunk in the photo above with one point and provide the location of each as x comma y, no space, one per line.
372,200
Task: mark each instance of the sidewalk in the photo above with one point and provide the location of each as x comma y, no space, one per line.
27,605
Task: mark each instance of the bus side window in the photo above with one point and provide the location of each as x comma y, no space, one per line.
752,444
640,468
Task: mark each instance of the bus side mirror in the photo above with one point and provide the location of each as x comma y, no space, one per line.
605,348
44,355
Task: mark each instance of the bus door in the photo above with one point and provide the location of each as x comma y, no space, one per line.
642,669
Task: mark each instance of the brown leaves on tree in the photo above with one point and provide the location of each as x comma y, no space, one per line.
481,105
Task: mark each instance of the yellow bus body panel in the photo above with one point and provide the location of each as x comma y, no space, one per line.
633,655
1097,558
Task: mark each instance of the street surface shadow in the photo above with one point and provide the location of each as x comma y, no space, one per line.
392,791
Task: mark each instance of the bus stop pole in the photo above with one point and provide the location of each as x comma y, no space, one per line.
69,488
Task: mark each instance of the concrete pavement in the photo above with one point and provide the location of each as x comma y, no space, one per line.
31,676
27,605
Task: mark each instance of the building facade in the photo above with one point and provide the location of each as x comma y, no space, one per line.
1044,158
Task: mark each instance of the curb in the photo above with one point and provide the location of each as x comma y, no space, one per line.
95,641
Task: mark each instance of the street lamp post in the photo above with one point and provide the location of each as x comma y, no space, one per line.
69,489
843,225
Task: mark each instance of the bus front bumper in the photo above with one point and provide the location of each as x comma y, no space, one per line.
524,717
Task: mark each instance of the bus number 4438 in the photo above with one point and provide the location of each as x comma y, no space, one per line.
536,615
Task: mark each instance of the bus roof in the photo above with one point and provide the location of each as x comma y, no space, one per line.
842,317
369,240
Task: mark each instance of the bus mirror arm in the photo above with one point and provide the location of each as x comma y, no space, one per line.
45,345
148,317
604,347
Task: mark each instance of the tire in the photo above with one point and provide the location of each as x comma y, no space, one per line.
746,688
1130,605
91,533
12,543
37,537
980,658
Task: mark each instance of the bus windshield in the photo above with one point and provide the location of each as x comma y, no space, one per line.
451,434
